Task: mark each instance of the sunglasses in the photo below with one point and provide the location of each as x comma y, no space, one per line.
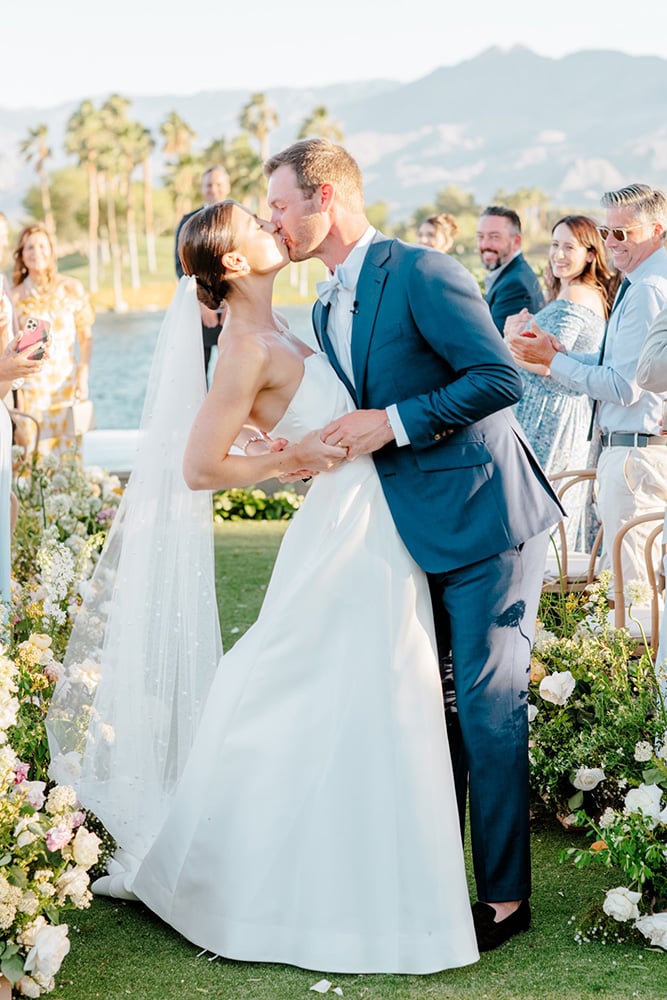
620,234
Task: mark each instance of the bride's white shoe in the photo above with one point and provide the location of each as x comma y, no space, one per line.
121,868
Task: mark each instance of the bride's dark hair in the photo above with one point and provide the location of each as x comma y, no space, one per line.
203,241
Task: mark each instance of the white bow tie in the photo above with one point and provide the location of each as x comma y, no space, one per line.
339,279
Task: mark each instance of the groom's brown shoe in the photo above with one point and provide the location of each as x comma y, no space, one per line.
491,934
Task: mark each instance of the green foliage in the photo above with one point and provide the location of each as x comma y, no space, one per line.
255,504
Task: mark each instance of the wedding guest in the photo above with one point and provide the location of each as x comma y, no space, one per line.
438,231
632,468
652,375
511,283
215,186
556,418
41,292
13,365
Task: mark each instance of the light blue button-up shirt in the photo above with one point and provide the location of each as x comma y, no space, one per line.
623,405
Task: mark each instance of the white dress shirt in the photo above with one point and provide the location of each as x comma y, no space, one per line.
623,406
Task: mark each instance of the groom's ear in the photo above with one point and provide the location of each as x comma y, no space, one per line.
326,196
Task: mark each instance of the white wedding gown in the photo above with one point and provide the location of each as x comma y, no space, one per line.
315,823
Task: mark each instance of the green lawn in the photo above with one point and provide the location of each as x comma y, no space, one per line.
121,950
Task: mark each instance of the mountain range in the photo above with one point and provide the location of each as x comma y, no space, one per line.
506,119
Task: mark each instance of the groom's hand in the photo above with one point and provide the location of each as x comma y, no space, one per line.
361,432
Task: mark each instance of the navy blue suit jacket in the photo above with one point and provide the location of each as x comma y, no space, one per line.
468,486
516,287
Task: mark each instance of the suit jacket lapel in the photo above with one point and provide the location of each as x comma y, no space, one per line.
320,317
369,292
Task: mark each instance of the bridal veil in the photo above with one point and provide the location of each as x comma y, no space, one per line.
146,639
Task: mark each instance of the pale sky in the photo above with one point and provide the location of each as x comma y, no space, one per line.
52,52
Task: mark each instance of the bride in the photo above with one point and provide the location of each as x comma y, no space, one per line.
293,800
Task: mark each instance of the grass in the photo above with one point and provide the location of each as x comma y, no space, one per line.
121,950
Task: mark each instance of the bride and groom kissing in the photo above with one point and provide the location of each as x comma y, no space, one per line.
333,838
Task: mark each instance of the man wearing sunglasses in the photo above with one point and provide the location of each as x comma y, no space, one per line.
632,468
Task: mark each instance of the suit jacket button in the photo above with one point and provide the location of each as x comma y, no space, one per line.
436,437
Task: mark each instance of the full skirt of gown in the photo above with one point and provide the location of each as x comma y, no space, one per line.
315,823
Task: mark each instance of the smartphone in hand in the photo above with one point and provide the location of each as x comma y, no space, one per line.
35,332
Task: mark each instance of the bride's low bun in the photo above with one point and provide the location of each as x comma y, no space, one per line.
203,241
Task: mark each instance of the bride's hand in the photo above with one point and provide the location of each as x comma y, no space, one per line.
314,455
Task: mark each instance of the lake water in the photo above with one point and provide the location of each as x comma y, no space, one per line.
123,346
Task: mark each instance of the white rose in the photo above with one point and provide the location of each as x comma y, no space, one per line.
621,904
588,778
34,793
47,954
86,847
532,713
73,883
65,769
28,987
644,800
662,818
654,927
28,935
557,688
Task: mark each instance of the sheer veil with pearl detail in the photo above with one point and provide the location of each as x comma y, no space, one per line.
146,639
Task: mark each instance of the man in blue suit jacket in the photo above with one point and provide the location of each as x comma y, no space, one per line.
409,334
511,283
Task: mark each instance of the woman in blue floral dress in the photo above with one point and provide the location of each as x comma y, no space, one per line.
556,419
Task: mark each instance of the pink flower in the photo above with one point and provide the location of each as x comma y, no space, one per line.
57,837
52,670
21,772
77,819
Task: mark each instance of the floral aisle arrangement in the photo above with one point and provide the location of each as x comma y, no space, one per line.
64,517
45,854
599,760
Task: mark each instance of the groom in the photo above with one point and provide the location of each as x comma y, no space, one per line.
410,336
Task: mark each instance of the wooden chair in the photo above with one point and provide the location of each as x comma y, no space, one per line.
654,552
17,417
569,570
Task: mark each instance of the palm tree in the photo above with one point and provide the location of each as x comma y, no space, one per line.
183,166
145,146
258,117
35,149
113,163
83,139
318,123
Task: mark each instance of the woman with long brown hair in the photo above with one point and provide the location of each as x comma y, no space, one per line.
580,288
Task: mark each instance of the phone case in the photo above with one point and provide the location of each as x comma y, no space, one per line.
35,331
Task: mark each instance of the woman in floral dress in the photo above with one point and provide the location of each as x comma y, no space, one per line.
556,420
39,291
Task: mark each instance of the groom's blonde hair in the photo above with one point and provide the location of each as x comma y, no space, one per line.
320,161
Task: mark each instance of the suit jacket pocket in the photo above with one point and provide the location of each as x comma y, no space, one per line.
453,456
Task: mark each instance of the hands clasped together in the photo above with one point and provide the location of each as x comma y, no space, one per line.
344,439
532,348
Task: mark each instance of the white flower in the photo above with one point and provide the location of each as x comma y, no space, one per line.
87,673
643,750
558,687
621,903
28,987
66,767
28,935
637,592
34,793
74,883
86,847
22,832
61,798
662,818
644,800
588,778
607,819
654,927
532,713
47,954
